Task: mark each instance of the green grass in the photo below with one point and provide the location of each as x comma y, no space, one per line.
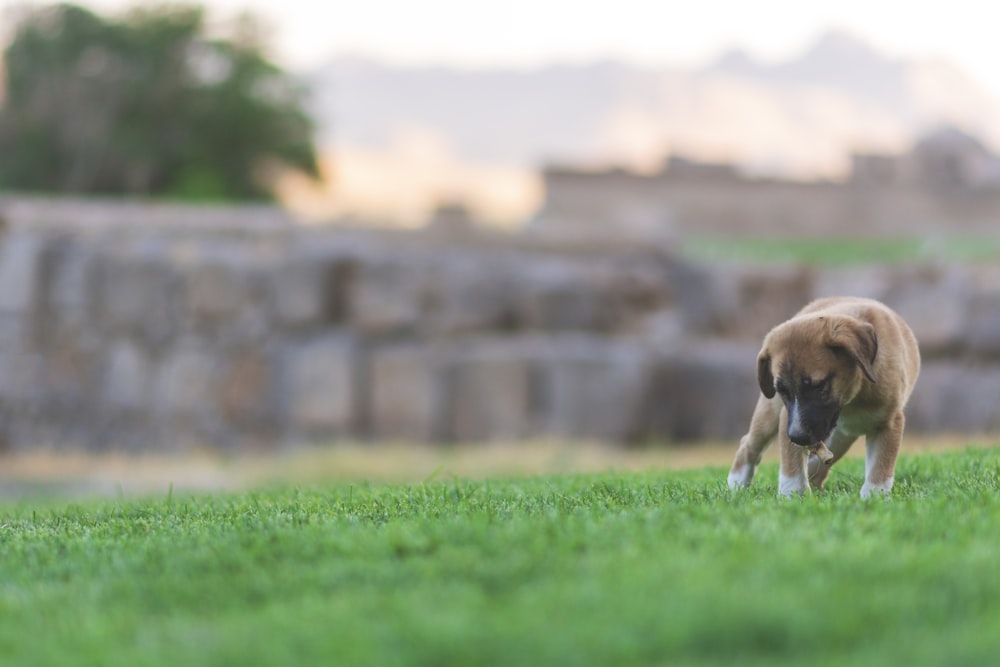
843,251
657,568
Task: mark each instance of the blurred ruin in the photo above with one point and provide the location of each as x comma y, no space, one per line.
161,325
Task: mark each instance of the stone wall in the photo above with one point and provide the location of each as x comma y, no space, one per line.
142,337
592,203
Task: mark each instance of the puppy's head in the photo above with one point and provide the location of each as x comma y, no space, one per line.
816,364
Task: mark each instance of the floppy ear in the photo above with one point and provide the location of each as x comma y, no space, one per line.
860,342
764,376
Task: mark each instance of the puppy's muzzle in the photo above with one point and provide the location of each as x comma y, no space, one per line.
809,424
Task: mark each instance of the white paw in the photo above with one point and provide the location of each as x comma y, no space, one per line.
792,486
740,478
883,489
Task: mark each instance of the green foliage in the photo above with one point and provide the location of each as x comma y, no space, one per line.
146,104
615,569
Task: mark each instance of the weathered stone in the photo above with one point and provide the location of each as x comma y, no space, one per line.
142,337
217,291
407,393
593,388
558,296
247,387
982,324
491,392
933,301
183,384
139,296
737,301
22,377
20,256
769,296
388,297
472,296
127,378
72,367
703,392
324,379
15,332
707,299
70,298
311,291
955,398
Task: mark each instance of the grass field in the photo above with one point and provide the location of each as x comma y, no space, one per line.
661,567
843,251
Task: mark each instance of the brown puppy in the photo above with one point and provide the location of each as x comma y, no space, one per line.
841,368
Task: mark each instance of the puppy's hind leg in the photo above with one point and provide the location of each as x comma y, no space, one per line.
763,428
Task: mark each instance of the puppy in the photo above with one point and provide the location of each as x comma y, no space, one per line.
841,368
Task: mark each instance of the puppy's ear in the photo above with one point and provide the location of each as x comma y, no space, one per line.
860,342
765,378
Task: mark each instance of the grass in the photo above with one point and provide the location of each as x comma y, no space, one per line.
656,567
843,251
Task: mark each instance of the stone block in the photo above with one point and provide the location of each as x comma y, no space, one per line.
20,268
72,368
982,324
562,296
407,393
127,383
933,301
593,389
492,391
216,291
702,391
389,296
324,379
15,332
70,297
707,297
472,296
22,378
247,386
139,295
183,384
955,398
308,291
768,296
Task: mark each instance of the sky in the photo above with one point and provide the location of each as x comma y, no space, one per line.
525,33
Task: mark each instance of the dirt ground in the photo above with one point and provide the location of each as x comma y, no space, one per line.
77,475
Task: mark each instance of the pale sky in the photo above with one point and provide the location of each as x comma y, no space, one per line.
526,33
651,32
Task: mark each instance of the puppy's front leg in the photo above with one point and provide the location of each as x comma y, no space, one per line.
881,449
792,476
763,427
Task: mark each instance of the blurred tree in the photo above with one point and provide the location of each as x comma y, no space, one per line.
147,104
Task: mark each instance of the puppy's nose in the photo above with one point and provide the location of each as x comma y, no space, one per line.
800,437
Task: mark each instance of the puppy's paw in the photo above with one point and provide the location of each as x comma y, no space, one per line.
869,489
741,477
790,487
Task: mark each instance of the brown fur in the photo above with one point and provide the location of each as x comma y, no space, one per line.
871,360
